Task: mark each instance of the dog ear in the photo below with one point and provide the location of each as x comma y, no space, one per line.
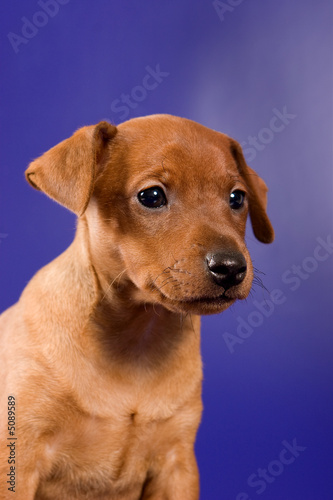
67,172
261,224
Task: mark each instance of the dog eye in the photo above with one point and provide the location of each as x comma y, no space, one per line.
236,200
153,197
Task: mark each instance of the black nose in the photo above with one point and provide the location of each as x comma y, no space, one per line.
227,268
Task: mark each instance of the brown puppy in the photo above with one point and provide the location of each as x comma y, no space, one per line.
102,351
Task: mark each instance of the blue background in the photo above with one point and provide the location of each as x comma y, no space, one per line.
228,71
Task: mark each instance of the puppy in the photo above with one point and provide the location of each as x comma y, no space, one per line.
100,358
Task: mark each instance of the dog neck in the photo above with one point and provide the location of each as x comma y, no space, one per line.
117,322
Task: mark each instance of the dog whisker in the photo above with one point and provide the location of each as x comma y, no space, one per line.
192,323
155,310
160,288
258,281
257,271
163,272
113,281
166,279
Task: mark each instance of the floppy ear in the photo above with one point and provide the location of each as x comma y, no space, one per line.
261,224
67,172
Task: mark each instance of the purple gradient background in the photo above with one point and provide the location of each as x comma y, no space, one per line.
228,75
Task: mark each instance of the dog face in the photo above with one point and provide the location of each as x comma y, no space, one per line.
165,201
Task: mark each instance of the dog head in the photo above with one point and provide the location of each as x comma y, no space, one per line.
165,201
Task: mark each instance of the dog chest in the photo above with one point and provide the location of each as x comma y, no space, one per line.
100,457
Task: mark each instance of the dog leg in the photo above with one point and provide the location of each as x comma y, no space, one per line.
179,480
